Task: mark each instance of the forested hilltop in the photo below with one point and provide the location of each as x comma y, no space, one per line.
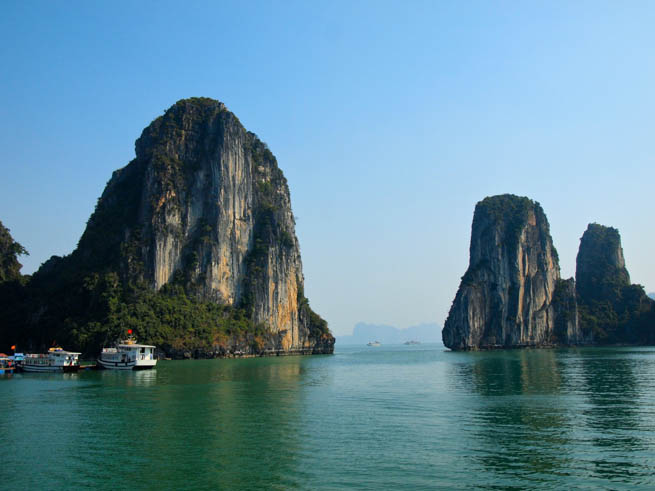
192,245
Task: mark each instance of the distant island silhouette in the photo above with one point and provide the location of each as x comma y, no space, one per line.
364,333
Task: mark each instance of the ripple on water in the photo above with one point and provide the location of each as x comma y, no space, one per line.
389,418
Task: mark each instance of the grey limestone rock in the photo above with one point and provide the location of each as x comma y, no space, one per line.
506,298
205,204
612,310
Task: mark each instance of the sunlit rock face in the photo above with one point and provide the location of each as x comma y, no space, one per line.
506,298
204,204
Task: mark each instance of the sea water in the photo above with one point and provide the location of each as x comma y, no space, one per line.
393,417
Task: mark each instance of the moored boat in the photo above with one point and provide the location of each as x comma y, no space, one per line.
375,344
6,364
18,360
128,355
55,360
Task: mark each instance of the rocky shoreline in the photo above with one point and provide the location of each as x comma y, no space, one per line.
244,350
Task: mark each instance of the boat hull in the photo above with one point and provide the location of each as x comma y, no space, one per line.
67,369
126,365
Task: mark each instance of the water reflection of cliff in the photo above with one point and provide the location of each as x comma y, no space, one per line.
210,424
612,413
536,416
228,423
519,424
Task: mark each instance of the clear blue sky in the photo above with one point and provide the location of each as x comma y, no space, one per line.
389,119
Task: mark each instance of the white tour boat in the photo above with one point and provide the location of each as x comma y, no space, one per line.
128,355
55,360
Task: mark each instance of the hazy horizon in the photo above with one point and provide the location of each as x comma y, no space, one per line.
390,121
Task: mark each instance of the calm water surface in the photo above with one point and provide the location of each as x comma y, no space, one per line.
402,417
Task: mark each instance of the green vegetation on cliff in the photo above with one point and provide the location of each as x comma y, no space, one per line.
201,193
12,287
9,252
512,212
610,308
90,312
508,208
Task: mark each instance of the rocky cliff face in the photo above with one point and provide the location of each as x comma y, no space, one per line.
9,252
567,329
506,297
12,289
600,266
205,206
611,309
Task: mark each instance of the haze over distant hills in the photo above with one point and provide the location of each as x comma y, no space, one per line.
363,333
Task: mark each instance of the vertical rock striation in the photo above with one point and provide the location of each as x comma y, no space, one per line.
506,298
205,206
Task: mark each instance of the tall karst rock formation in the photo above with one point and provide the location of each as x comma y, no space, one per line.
511,294
611,309
205,206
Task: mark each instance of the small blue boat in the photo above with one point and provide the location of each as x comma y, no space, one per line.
7,365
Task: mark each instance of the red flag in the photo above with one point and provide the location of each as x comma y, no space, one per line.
13,347
129,331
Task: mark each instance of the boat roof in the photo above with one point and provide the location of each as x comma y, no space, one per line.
134,345
61,350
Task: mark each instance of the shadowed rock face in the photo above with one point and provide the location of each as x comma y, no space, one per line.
600,266
611,309
505,298
204,204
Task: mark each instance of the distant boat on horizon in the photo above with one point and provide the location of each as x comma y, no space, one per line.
375,344
412,342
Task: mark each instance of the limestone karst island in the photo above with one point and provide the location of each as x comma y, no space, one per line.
512,295
192,246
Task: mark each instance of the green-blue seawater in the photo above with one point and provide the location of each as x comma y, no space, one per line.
401,417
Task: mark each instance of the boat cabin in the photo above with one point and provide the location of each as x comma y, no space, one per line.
128,352
56,357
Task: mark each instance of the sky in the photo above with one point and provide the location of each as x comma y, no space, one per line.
390,121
